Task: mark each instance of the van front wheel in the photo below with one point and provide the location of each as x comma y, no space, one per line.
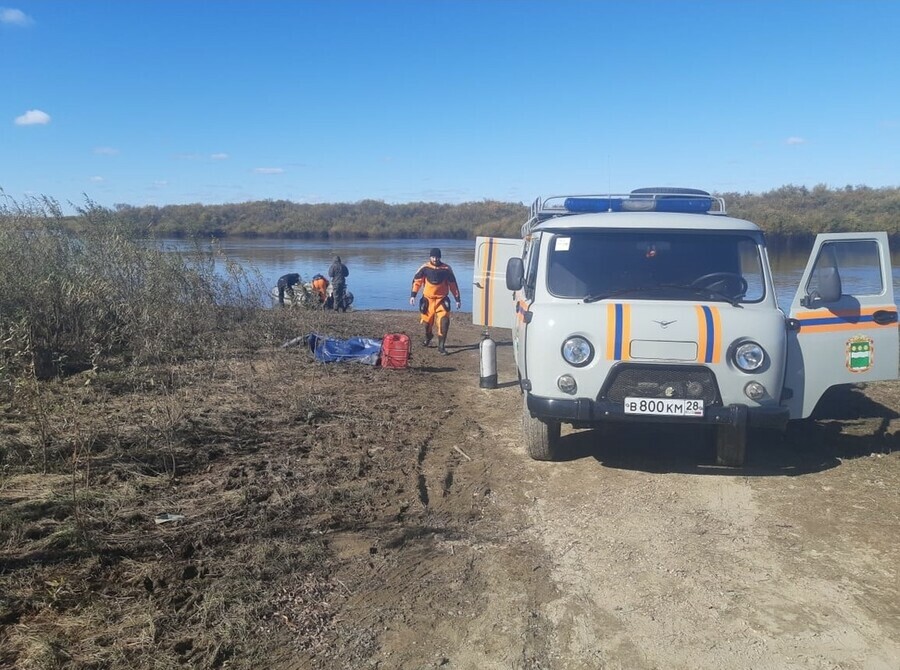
731,444
541,437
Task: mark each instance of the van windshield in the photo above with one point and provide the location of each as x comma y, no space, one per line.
655,265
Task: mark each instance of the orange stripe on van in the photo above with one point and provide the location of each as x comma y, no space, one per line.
625,342
618,331
717,334
827,321
610,331
709,334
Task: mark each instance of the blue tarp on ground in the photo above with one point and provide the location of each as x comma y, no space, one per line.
355,349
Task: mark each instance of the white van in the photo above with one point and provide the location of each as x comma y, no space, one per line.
656,306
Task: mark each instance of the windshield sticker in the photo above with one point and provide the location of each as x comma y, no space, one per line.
562,243
860,353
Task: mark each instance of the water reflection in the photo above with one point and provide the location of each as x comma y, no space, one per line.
381,271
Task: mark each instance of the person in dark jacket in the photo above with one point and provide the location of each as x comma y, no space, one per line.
286,283
339,273
437,281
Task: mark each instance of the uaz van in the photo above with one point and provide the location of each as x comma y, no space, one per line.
656,306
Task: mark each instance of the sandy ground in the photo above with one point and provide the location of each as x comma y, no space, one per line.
362,518
636,551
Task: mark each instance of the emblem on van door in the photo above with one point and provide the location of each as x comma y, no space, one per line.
665,324
860,353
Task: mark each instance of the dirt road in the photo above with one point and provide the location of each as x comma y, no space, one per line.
635,552
262,510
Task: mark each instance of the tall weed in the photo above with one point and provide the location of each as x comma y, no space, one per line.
102,296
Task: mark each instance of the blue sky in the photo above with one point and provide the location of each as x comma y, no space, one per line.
189,101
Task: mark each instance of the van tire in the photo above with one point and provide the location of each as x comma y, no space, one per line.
731,445
541,437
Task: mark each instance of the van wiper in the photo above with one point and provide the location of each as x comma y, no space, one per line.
694,290
708,292
731,300
622,291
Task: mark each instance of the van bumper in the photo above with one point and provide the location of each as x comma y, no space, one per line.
584,411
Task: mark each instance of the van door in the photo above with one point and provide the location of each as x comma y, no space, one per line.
843,326
492,302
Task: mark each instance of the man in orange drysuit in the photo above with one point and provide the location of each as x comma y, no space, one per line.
320,288
436,280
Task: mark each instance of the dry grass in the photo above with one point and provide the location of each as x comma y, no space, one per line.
264,453
133,386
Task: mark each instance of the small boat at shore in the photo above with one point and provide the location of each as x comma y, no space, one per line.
305,296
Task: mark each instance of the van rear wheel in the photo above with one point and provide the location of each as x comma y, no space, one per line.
541,437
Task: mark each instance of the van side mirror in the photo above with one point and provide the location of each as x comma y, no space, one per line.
515,274
828,288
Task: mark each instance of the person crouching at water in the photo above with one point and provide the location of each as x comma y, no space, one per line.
320,288
339,273
286,283
436,279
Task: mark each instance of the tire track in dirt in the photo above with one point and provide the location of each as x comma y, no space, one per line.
635,553
462,585
507,628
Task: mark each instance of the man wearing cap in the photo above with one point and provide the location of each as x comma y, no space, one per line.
437,281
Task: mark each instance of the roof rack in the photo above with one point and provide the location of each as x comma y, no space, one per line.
661,199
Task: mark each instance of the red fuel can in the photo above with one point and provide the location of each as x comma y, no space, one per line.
395,351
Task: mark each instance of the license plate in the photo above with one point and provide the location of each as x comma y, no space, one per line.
664,406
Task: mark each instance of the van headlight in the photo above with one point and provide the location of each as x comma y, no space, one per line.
749,356
577,351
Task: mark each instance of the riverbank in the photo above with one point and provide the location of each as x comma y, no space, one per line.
258,509
198,513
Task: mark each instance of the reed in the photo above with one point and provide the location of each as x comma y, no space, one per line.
76,301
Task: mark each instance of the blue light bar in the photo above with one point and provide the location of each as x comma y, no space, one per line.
684,205
593,204
639,203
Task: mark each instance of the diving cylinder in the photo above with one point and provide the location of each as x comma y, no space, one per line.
488,351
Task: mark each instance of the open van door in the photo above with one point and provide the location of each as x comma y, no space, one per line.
492,303
843,320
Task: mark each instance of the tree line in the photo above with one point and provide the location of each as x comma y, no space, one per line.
798,213
364,219
786,213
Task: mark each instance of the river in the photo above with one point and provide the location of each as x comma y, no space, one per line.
381,271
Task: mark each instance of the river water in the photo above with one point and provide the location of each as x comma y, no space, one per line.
381,271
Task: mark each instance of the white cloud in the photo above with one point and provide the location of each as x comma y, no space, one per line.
219,157
97,180
33,117
795,140
106,151
160,183
268,170
15,17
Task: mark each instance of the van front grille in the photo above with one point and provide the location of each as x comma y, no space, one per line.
661,381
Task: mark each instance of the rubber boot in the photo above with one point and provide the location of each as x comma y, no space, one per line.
442,339
428,335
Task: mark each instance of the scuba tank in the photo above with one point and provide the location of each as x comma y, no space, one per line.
488,354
